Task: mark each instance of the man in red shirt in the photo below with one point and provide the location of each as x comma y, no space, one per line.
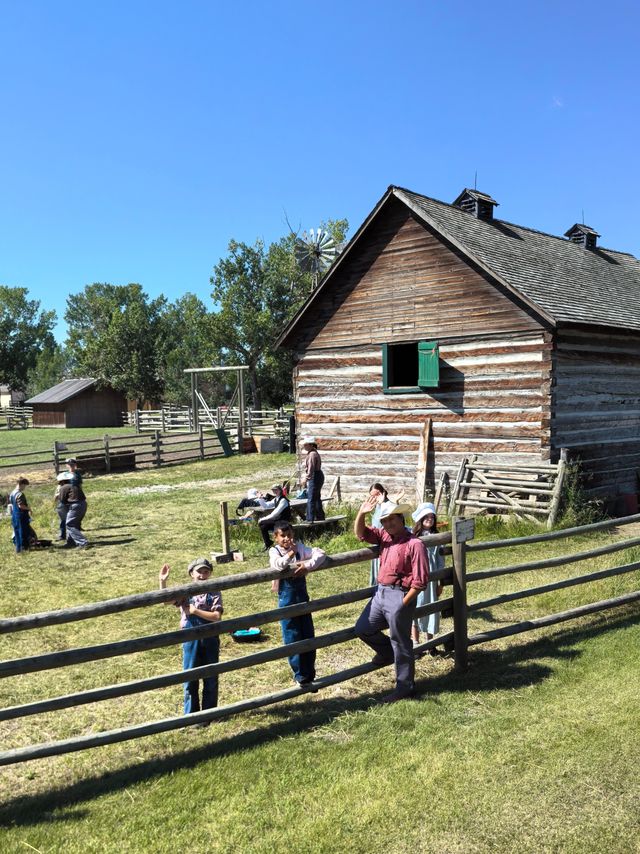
403,573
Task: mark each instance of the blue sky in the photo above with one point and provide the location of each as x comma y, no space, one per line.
138,138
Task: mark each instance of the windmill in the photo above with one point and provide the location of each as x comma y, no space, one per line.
315,252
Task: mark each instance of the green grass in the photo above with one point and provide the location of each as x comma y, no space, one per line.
535,748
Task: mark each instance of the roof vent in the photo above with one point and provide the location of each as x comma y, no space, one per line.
476,203
583,236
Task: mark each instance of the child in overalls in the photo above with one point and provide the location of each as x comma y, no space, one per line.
286,554
198,610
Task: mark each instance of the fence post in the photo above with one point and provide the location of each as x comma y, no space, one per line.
164,428
136,419
107,455
218,418
156,442
201,432
463,530
56,457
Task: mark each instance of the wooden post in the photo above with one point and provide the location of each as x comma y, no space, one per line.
201,432
157,447
456,486
136,419
227,554
240,412
56,457
557,487
224,526
162,416
462,530
107,455
423,456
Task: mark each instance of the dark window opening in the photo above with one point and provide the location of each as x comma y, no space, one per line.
402,365
410,367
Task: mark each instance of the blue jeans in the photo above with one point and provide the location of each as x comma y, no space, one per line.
197,653
293,591
314,497
21,528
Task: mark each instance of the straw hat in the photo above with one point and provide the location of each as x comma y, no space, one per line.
391,509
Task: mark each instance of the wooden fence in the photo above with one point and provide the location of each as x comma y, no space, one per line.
455,544
257,422
530,491
16,417
123,453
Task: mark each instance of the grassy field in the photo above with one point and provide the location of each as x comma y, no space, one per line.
535,748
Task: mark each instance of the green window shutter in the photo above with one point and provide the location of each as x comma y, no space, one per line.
428,364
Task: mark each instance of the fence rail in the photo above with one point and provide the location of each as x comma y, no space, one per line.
120,453
257,422
455,544
16,417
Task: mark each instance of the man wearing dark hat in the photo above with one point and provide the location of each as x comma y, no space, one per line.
403,573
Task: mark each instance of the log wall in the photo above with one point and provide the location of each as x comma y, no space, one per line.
596,406
492,400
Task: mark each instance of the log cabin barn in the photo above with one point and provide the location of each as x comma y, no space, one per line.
78,403
514,343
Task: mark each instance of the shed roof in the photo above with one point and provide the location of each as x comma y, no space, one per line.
564,282
63,391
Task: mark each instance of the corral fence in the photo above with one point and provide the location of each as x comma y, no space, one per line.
272,423
456,545
123,453
16,417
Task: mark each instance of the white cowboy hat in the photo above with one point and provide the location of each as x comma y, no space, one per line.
308,440
391,509
423,510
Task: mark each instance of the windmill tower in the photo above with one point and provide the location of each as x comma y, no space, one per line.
315,251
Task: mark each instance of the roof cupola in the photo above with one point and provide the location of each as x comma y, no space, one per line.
476,203
583,235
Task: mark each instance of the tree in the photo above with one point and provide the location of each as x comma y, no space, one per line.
51,367
188,343
24,332
257,291
116,336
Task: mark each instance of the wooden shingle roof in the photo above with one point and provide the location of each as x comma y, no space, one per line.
563,281
569,283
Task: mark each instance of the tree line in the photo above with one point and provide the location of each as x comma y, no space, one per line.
141,346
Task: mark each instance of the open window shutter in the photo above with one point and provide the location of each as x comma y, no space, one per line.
428,364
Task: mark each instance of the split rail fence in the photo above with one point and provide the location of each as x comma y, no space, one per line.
120,453
455,576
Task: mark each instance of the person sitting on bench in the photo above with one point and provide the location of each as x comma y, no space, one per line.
280,512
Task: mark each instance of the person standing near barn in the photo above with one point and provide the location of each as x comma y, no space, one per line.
74,499
20,516
313,479
403,574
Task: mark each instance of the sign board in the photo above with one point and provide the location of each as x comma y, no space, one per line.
465,530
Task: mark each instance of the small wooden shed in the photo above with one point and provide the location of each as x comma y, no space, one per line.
514,342
78,403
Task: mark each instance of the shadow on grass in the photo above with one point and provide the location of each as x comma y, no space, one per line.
99,542
490,669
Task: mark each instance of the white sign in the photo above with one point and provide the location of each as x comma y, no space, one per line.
465,530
